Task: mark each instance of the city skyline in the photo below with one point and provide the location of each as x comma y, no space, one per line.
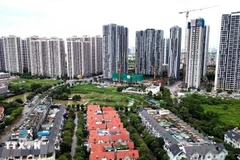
28,18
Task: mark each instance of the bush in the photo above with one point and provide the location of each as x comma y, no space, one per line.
19,101
76,98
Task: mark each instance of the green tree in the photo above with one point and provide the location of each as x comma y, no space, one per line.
76,98
35,86
62,157
19,101
150,94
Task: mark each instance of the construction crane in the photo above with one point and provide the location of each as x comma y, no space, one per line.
120,69
186,35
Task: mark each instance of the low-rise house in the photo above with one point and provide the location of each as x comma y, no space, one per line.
181,140
154,89
127,155
232,137
112,141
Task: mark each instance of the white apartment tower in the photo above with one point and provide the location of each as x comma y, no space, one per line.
84,56
12,54
174,52
114,50
149,55
197,50
25,57
96,55
228,58
166,51
47,56
2,59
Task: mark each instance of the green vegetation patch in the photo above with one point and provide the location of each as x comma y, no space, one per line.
108,95
228,113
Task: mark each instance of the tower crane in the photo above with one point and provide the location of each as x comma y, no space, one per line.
120,69
186,36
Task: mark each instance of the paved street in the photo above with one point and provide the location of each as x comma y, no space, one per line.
173,87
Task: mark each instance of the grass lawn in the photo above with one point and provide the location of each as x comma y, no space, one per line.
27,82
106,96
228,113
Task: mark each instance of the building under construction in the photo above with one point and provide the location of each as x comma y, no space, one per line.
127,78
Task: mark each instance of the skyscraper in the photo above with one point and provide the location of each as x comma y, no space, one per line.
166,51
197,50
96,55
2,59
84,56
228,58
149,52
174,52
12,54
114,50
25,58
47,56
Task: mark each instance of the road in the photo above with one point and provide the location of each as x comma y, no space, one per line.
26,112
74,138
174,87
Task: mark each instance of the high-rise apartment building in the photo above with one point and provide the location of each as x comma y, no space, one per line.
47,56
84,56
114,50
228,58
197,50
149,52
12,54
96,55
2,59
166,51
25,57
174,52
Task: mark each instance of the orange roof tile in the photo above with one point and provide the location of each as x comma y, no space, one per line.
123,137
114,125
107,109
97,138
100,155
130,153
99,147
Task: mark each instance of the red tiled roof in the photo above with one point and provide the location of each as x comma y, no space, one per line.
123,137
97,138
107,109
100,155
124,154
114,125
99,147
94,126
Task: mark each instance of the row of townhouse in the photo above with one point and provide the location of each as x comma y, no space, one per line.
232,137
181,141
39,135
108,139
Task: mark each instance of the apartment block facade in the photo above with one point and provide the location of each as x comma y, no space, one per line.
228,58
47,56
174,52
149,55
197,50
10,51
114,50
84,56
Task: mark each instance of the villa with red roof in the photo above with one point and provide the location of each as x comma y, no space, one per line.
108,140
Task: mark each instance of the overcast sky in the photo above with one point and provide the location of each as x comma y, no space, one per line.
65,18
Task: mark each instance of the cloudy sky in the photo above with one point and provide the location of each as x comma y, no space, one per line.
64,18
